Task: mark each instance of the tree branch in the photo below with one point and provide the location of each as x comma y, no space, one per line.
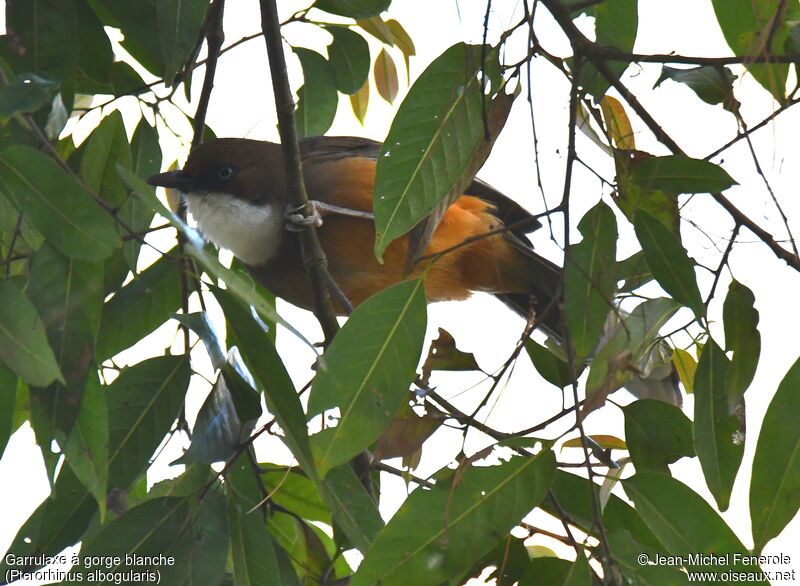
583,46
313,255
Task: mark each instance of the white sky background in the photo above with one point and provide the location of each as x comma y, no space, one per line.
242,105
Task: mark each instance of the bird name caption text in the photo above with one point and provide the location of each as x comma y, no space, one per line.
130,568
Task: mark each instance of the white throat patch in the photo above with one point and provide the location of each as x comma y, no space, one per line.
251,232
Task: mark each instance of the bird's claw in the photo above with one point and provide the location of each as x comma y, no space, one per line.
297,222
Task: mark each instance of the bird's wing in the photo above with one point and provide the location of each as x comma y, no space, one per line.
322,149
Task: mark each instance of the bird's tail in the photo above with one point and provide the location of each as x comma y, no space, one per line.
544,299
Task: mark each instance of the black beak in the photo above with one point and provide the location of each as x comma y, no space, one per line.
173,179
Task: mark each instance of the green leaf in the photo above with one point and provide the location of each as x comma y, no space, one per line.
713,85
201,551
69,296
437,142
353,8
552,368
626,552
747,25
636,337
107,147
742,337
56,205
671,265
147,530
317,99
261,357
140,307
676,174
146,154
590,279
341,491
684,522
47,32
510,558
86,449
26,94
23,341
252,548
718,432
146,160
201,325
8,405
142,404
136,20
353,509
616,23
58,522
574,498
657,434
437,534
27,240
179,26
250,530
294,491
349,59
775,483
635,271
217,429
95,55
546,571
367,370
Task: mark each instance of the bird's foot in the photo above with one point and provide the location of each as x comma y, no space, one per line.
297,222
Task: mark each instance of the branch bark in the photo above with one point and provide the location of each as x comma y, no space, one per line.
313,255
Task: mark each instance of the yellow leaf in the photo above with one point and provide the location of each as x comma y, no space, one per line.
359,102
607,442
173,195
378,29
617,123
685,365
401,38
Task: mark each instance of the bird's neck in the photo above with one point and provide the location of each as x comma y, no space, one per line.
251,231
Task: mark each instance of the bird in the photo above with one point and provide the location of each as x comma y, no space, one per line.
235,189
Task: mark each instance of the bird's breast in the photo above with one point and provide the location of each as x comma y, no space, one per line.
253,233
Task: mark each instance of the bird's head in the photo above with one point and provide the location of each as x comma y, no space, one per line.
250,170
235,190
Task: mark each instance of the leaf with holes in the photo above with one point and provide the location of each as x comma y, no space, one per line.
740,318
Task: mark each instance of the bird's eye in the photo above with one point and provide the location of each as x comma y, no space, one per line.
226,171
